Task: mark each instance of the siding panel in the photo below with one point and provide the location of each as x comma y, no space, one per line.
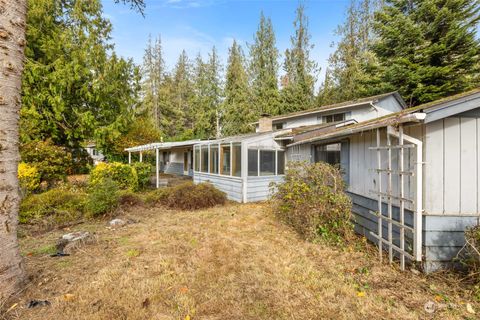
434,168
452,162
468,166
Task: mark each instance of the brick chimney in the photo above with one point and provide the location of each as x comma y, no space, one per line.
265,124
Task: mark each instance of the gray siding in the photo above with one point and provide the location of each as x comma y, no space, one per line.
443,236
174,168
232,186
452,167
258,188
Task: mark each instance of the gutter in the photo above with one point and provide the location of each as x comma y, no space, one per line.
410,117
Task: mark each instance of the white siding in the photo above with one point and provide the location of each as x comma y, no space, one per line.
232,186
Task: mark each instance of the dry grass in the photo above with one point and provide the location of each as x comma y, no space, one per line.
232,262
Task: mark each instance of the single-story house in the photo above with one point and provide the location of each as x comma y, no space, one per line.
94,153
420,168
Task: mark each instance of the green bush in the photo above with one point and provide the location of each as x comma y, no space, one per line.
312,200
124,175
51,161
143,173
102,198
28,177
61,205
190,196
157,196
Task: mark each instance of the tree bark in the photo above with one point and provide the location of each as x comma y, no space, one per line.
12,44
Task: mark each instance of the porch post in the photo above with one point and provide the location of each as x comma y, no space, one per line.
141,156
129,157
157,168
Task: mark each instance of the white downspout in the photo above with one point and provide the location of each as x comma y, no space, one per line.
417,221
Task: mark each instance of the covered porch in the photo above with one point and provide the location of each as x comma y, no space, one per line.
242,166
170,157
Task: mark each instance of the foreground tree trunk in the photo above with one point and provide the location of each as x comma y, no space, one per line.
12,43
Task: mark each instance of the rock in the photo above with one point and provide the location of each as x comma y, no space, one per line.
117,223
470,309
37,303
429,307
71,241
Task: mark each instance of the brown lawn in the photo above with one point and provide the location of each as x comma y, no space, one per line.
232,262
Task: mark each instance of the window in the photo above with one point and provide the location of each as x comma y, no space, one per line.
267,162
225,160
334,117
237,160
280,162
329,153
204,156
279,126
197,158
214,159
252,162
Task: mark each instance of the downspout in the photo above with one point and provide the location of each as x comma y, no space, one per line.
417,222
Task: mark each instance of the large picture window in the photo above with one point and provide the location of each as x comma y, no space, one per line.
329,153
280,162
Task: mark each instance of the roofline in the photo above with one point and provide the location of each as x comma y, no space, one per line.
341,105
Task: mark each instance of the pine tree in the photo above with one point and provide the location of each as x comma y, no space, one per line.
208,96
428,49
237,113
299,80
263,69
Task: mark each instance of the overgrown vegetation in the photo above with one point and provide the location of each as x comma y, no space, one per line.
123,174
103,197
190,196
144,171
28,178
312,201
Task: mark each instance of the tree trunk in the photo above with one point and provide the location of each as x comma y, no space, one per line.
12,43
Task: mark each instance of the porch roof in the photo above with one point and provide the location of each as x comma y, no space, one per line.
162,145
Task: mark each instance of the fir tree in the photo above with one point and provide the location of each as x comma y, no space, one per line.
237,113
299,80
183,97
428,49
263,69
208,96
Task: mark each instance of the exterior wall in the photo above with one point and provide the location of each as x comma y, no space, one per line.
452,166
173,168
232,186
175,163
259,188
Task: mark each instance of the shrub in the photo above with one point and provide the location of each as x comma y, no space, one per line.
157,196
143,173
50,160
130,198
124,175
312,200
29,178
58,204
188,196
102,198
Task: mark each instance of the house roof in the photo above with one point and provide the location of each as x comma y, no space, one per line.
341,106
247,136
427,112
162,145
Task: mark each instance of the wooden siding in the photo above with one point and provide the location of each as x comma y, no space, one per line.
230,185
452,166
258,188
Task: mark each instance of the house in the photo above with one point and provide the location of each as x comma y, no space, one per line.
419,167
94,153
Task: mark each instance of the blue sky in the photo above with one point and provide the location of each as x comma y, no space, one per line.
197,25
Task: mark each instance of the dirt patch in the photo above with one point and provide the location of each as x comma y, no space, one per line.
232,262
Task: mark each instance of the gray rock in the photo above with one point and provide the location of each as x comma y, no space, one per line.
117,223
76,236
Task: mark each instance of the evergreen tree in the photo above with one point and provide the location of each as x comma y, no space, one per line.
428,49
153,70
183,95
263,69
299,80
346,78
237,112
208,96
74,86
